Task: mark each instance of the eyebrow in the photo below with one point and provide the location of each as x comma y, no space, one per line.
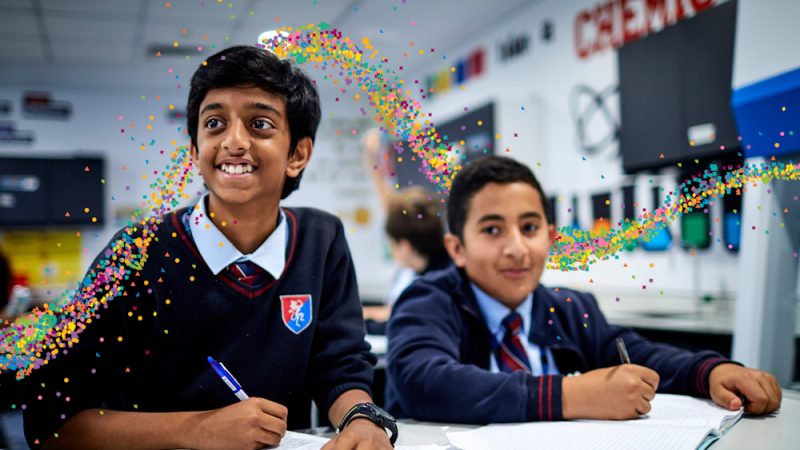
498,217
210,107
491,217
255,105
531,215
264,107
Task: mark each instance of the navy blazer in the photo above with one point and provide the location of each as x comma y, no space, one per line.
440,350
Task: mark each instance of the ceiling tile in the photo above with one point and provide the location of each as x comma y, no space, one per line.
18,24
16,51
58,27
17,4
185,13
90,7
168,33
99,53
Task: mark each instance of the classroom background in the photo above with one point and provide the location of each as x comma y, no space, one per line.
612,103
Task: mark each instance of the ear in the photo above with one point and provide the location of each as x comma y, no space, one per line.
552,233
404,245
195,153
456,249
300,157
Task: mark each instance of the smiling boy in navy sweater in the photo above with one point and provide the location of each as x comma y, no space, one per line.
484,342
268,291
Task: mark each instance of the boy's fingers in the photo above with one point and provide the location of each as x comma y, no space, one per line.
726,398
757,398
643,407
649,376
274,425
273,409
772,397
328,445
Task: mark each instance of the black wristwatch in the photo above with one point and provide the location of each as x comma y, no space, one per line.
374,413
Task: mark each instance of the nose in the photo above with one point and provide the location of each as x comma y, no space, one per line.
515,246
237,138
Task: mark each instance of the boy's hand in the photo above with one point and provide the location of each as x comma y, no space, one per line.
360,434
728,383
251,424
619,392
371,145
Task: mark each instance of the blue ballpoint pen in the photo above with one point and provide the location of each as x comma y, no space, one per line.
228,379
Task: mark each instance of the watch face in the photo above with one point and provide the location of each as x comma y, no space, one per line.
383,412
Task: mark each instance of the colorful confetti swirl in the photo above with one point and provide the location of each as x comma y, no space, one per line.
42,335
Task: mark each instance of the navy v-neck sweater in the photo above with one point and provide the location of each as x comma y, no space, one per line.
148,350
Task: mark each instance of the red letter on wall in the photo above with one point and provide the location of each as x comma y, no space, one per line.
701,5
629,34
582,49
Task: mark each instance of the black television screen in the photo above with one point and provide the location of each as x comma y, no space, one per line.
23,196
475,128
675,88
51,192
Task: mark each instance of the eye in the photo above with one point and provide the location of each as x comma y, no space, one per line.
262,124
530,228
491,230
213,123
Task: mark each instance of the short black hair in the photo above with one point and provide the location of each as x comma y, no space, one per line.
474,176
249,66
413,216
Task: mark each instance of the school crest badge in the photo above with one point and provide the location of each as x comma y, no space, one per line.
296,312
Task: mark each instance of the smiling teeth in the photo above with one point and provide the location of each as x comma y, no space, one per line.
235,169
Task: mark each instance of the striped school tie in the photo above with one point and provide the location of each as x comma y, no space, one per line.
510,354
249,273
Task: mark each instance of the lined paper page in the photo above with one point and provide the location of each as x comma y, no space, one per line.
689,411
572,435
299,441
675,422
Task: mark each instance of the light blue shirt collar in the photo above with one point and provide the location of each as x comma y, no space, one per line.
494,312
218,252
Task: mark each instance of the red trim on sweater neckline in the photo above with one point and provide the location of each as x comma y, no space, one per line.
189,242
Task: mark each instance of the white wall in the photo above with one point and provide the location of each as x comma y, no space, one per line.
766,34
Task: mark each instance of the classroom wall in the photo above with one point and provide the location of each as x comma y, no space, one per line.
334,181
764,37
534,94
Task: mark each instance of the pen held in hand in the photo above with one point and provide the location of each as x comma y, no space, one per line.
623,351
229,380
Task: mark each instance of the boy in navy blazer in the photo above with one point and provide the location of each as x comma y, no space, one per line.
484,342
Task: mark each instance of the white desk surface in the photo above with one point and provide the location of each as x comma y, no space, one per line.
778,431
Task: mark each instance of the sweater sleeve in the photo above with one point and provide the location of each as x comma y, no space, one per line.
681,371
432,384
83,375
341,358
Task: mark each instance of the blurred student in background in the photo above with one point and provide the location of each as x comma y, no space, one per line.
413,226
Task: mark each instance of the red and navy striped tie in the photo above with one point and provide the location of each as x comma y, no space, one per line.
248,273
511,355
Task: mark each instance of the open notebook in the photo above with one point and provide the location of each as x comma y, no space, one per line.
675,422
299,441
